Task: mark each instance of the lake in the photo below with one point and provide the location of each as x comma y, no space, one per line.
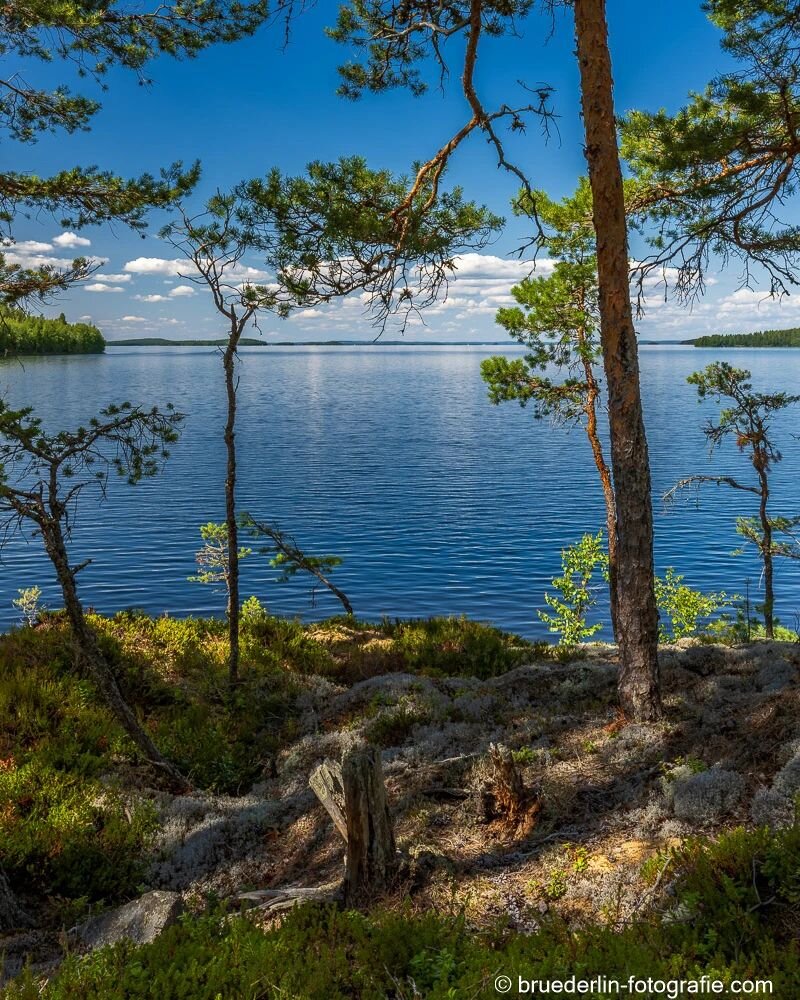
393,459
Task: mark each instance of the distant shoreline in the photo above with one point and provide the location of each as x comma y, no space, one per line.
725,342
251,342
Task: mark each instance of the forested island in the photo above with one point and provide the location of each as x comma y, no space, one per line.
21,333
763,338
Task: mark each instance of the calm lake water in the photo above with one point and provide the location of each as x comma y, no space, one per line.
393,459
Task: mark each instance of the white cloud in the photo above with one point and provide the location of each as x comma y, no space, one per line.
482,267
178,292
99,286
32,246
71,240
133,319
115,279
155,265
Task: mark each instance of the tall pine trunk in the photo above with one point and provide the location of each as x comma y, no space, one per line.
637,616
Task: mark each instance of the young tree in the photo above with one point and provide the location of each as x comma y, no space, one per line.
395,37
747,420
88,39
214,245
325,235
213,559
43,476
557,318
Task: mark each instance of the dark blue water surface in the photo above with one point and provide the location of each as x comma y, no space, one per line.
393,459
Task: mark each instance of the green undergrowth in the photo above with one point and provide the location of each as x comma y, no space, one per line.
73,824
733,916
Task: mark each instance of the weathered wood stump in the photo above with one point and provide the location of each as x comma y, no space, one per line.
506,799
371,852
354,796
326,783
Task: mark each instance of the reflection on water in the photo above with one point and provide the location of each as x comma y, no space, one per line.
393,459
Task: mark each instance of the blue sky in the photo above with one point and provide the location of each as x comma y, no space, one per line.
246,107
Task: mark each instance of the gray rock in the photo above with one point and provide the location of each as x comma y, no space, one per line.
704,796
140,921
776,675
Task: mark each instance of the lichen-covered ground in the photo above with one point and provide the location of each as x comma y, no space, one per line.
611,798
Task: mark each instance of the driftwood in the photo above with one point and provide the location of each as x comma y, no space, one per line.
506,799
326,783
269,901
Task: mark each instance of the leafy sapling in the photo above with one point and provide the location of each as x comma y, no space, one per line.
29,605
567,617
685,608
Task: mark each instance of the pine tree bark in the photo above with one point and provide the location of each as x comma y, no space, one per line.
592,398
637,616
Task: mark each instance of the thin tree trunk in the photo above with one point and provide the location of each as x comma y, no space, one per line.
605,481
637,616
766,555
97,665
229,363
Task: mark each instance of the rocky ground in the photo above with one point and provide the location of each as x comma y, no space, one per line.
605,800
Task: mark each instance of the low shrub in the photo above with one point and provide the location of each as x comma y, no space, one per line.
457,647
740,926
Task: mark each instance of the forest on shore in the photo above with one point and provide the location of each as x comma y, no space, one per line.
22,333
762,338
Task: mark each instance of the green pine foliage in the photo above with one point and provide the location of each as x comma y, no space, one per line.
24,334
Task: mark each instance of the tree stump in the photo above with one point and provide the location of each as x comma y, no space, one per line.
371,852
505,798
326,783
